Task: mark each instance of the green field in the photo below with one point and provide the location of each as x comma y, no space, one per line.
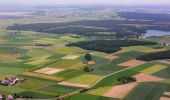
90,97
150,91
153,69
58,89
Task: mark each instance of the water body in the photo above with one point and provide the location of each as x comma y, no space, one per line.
157,33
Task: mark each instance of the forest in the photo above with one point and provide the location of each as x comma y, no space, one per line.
145,16
85,27
123,28
108,46
155,56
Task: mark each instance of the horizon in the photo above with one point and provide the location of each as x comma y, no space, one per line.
87,2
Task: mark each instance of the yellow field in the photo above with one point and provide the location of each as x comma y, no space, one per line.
99,54
153,69
85,79
2,41
8,56
142,49
77,65
43,76
100,91
37,62
69,50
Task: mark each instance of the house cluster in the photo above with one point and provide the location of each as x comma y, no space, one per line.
14,97
142,36
11,81
14,33
167,43
8,97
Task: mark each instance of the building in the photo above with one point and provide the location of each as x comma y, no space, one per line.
167,43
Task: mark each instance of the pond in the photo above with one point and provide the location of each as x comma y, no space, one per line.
157,33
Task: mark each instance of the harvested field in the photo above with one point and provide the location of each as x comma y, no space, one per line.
74,84
8,56
91,62
49,71
100,91
33,47
164,98
85,79
132,63
146,78
167,93
120,91
2,41
165,61
37,62
110,57
43,76
121,51
71,57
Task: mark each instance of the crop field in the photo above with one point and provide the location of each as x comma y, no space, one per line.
153,69
65,66
58,89
143,49
85,79
148,91
132,63
51,68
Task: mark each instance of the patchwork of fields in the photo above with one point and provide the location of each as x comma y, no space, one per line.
56,70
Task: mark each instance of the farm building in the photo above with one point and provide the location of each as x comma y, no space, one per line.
167,43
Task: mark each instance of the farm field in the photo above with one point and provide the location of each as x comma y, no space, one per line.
51,68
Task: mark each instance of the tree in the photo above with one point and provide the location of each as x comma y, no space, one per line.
87,69
88,57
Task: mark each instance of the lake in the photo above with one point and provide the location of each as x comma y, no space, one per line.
157,33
